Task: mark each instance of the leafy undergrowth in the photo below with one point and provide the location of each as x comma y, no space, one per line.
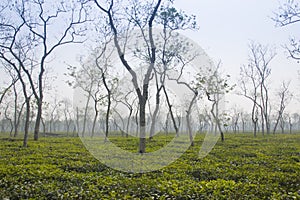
242,167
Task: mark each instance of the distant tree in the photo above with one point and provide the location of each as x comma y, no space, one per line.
245,120
126,98
215,86
68,114
170,48
285,96
103,63
235,118
254,84
53,113
296,120
87,79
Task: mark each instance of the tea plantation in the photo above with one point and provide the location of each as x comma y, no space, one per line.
243,167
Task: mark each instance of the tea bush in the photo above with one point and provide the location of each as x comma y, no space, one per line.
242,167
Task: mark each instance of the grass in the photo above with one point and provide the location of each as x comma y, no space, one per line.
243,167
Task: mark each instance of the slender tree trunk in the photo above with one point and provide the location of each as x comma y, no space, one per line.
77,121
171,112
142,144
94,122
86,112
262,122
188,115
38,119
108,105
16,113
26,129
276,123
137,122
290,124
44,126
188,120
10,121
39,99
17,123
154,116
255,128
128,121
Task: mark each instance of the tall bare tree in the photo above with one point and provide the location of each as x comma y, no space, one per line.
103,63
285,96
254,83
169,50
142,91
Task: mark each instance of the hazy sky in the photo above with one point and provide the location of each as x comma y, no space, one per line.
226,28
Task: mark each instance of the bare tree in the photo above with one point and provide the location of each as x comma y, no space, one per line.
35,21
245,118
18,106
194,88
214,86
169,50
53,113
254,84
285,96
142,92
18,109
67,110
236,115
87,79
288,13
142,16
102,64
14,53
128,101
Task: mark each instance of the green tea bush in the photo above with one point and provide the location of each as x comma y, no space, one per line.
242,167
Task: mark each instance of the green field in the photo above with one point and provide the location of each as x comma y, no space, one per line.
243,167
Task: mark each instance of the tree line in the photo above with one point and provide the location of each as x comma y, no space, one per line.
153,58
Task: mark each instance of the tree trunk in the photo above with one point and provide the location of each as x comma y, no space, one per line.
108,105
77,120
26,129
255,128
142,144
188,114
94,122
16,113
171,112
189,128
38,119
86,112
128,121
154,116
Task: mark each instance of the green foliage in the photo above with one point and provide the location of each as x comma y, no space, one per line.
241,168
